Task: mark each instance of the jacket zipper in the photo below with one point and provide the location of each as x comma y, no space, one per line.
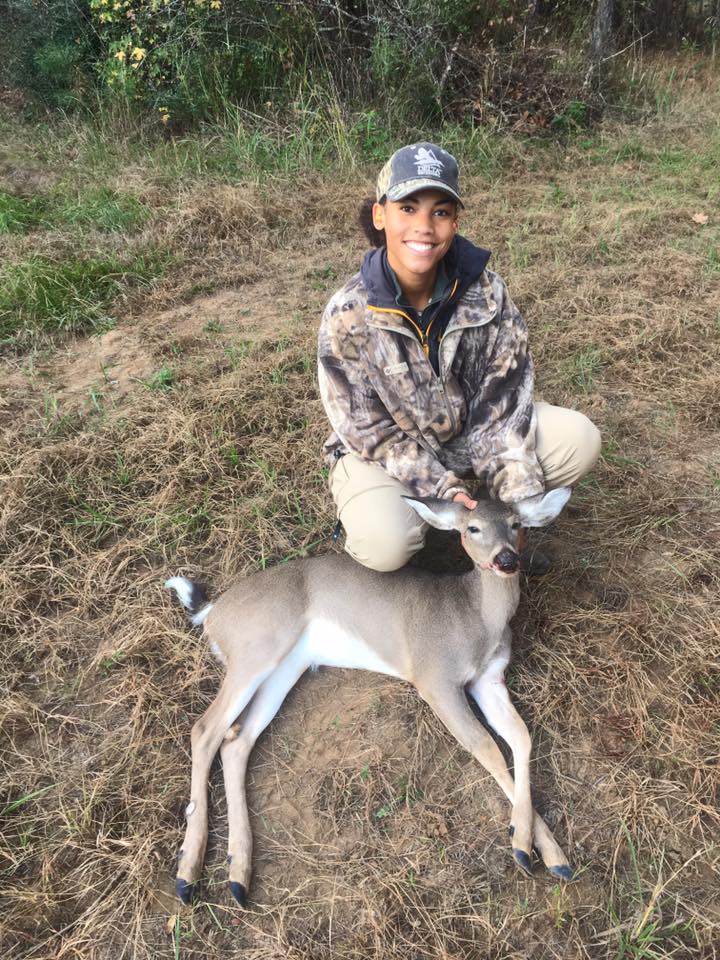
423,336
424,343
401,313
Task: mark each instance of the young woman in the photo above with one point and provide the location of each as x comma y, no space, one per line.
425,373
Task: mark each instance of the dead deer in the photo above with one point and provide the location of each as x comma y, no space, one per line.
447,635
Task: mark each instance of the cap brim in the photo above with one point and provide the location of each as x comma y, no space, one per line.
402,190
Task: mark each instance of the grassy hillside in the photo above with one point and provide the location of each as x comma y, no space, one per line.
159,412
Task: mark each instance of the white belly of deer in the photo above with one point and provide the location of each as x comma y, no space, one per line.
325,644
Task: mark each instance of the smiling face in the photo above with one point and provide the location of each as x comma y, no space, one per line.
418,234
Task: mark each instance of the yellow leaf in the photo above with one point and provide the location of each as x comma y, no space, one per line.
700,218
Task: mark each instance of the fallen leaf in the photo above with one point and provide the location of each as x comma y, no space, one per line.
170,925
700,218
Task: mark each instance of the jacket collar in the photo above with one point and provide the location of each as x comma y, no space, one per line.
464,263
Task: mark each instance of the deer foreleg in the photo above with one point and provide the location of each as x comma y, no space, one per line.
491,695
451,706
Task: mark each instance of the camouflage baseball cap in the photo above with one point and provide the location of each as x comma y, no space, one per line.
419,166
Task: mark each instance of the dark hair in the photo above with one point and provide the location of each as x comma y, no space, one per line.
376,237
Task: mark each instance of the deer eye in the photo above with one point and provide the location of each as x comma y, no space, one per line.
473,529
516,525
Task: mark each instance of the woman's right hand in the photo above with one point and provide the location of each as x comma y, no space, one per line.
465,500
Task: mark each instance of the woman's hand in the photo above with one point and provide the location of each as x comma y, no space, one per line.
465,500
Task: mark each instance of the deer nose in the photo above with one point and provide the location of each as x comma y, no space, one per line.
507,561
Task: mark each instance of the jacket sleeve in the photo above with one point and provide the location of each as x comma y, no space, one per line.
364,425
501,416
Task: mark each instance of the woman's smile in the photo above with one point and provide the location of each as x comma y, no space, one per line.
420,247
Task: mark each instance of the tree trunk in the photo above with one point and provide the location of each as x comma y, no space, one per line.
602,29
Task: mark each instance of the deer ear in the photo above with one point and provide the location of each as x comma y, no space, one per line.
541,510
443,514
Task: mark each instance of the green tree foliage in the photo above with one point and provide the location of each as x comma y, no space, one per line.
191,58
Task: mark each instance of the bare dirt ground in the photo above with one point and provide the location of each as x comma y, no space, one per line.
187,440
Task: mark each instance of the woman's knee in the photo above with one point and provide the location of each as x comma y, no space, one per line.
383,541
568,444
589,445
379,554
381,530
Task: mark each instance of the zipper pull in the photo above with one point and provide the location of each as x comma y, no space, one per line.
425,345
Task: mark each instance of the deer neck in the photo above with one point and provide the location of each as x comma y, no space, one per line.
494,597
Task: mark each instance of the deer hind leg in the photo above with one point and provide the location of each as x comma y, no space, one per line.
235,752
207,734
491,695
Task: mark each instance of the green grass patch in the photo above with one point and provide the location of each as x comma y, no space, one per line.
238,148
19,214
104,209
631,151
40,297
162,380
583,367
611,453
642,933
98,522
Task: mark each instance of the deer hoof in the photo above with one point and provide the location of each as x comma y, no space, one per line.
184,890
239,893
563,872
522,859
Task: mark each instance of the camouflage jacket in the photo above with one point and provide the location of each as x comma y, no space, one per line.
430,431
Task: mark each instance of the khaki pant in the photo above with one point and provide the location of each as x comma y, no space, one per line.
383,532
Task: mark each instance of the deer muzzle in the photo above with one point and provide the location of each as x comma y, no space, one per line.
507,561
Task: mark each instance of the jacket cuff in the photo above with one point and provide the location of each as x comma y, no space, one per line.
449,486
512,493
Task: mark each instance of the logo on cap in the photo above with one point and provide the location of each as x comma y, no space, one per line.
427,163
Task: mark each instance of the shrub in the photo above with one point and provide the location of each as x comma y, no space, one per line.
45,48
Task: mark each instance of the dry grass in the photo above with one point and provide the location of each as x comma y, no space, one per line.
376,835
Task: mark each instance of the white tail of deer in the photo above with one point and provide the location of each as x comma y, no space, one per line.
329,611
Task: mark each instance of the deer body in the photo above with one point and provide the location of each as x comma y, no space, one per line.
475,606
446,635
